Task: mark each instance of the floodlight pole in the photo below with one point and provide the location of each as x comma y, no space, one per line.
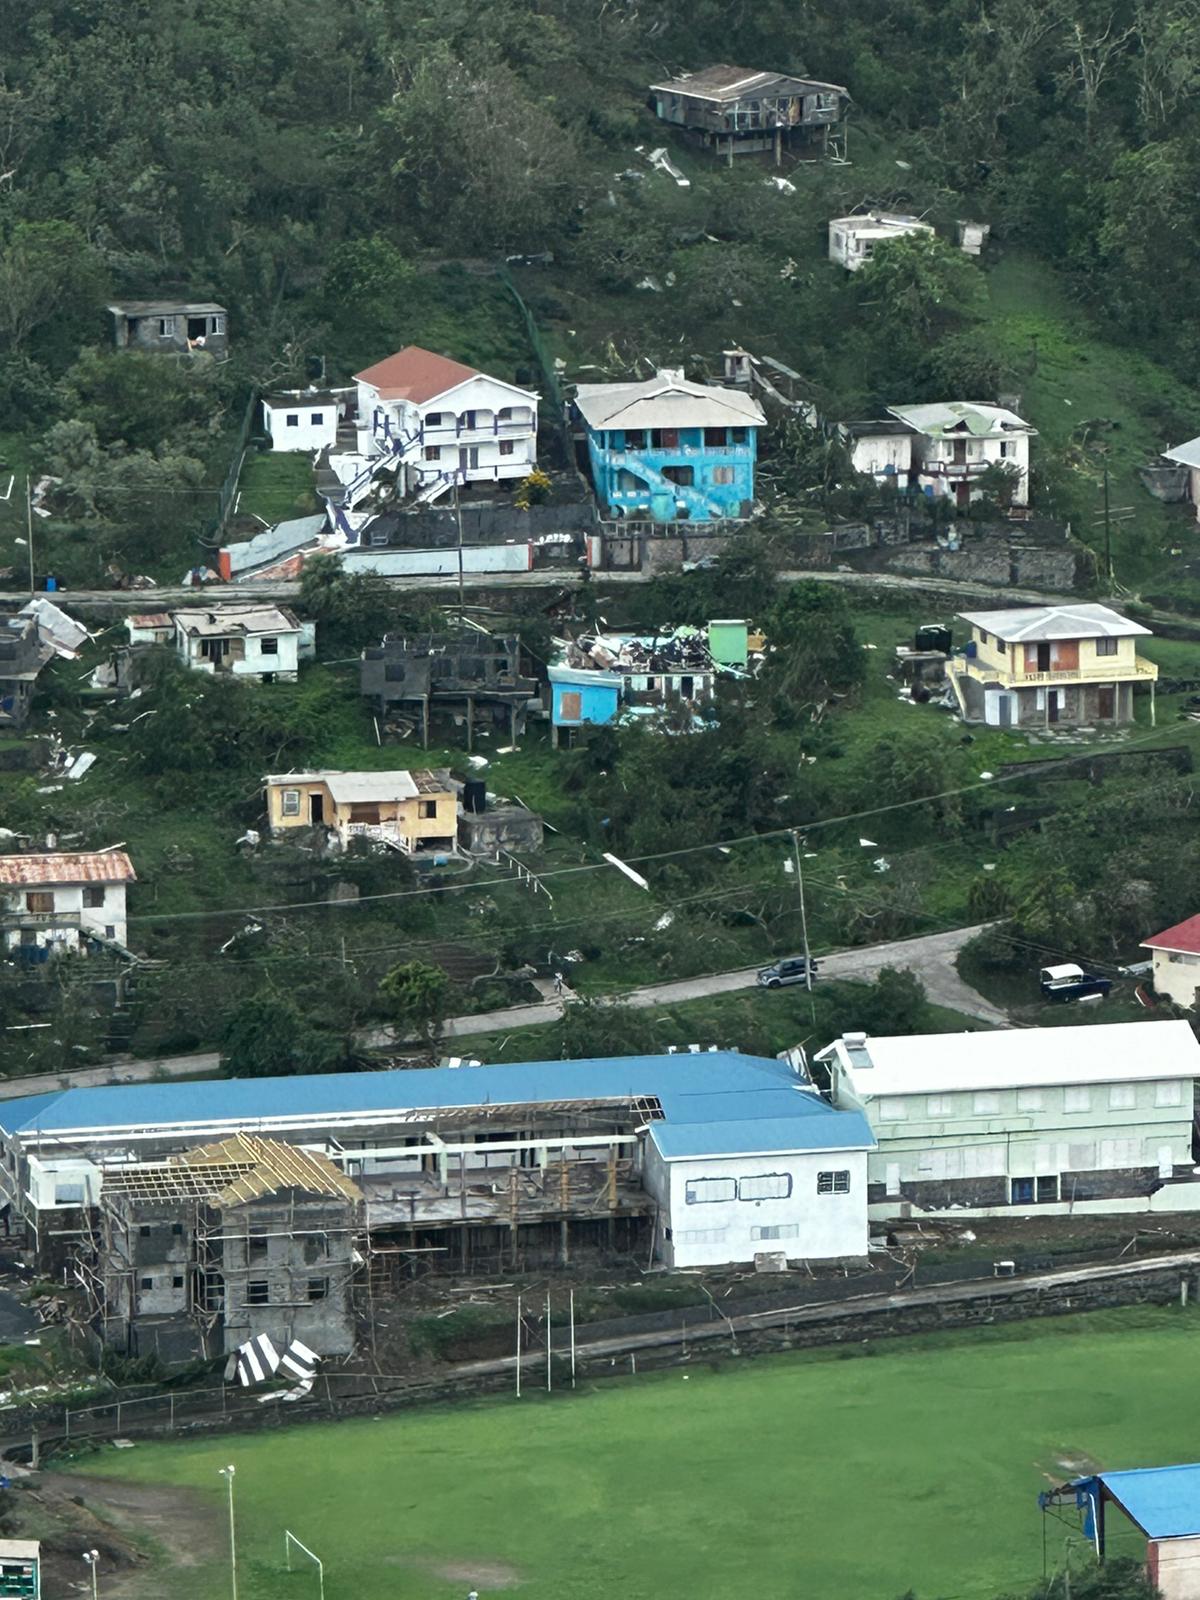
92,1557
228,1473
572,1338
547,1344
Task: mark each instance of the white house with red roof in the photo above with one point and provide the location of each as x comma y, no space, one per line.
431,423
63,900
1175,957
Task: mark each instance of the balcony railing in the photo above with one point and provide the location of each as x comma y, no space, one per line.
1139,669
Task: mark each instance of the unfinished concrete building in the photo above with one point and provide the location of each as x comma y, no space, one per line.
471,677
193,1255
23,654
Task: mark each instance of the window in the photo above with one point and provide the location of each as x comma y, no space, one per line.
292,418
684,476
258,1292
570,705
1033,1191
318,1288
700,1235
291,802
739,435
146,1283
93,898
1020,1191
256,1247
144,1231
1122,1096
766,1186
985,1105
833,1183
427,808
68,1194
1077,1098
1007,448
891,1109
507,447
664,438
177,1229
1047,1190
722,474
316,418
1081,1157
635,438
166,327
1106,647
39,900
1029,1099
433,452
1168,1094
939,1105
707,1191
433,419
218,324
715,437
983,638
110,930
177,1281
776,1230
269,647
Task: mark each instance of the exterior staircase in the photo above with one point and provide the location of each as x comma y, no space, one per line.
699,505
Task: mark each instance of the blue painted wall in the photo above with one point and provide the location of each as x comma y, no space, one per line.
598,703
627,470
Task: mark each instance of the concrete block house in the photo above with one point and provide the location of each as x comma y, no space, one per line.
63,901
1175,962
1047,665
852,240
179,326
250,641
414,811
668,449
737,111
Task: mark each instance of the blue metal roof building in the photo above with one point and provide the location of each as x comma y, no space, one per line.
1162,1502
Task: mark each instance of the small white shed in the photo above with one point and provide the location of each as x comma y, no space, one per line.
852,240
305,419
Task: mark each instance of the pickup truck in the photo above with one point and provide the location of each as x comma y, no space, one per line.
1070,982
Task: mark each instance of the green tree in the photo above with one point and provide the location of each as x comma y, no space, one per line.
416,995
812,649
265,1036
47,271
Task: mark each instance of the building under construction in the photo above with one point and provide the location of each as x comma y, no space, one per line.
193,1216
473,677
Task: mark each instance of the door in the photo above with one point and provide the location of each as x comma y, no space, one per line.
316,810
1043,658
1106,702
960,452
468,457
687,688
962,495
1052,705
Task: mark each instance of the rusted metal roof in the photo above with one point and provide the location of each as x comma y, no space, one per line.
68,866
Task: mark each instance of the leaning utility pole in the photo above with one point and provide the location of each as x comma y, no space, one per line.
803,914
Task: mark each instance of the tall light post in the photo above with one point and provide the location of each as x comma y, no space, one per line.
228,1473
92,1557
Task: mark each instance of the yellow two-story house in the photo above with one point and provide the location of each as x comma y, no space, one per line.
415,811
1041,665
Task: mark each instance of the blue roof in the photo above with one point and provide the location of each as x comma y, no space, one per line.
1163,1501
714,1089
832,1130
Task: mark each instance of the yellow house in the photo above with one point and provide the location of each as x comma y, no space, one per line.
1038,665
415,811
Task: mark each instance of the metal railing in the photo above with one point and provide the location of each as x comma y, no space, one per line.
1118,672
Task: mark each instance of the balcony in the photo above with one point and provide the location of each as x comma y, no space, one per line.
1139,670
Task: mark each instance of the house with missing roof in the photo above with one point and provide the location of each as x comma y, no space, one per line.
412,811
667,449
693,1159
1175,962
852,240
1057,1120
60,901
424,425
250,641
1047,665
942,450
736,111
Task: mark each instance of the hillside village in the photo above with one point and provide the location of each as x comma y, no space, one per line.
599,708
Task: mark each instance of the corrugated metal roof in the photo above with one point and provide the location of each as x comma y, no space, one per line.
347,788
825,1129
1184,937
68,866
1163,1501
164,308
274,543
666,402
725,84
974,417
689,1089
1029,624
1028,1058
217,621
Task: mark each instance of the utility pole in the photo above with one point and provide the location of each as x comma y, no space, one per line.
1107,527
228,1474
29,529
803,914
458,518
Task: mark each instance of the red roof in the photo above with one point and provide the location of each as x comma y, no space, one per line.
68,866
1183,936
415,374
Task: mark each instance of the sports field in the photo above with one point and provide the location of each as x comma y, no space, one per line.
916,1466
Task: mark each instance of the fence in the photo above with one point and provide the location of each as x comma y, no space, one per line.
228,490
546,366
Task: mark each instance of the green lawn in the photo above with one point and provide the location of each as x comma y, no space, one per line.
276,485
917,1468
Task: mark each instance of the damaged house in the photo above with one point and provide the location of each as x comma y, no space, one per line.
411,811
474,677
170,325
942,450
735,111
23,654
63,901
250,641
852,239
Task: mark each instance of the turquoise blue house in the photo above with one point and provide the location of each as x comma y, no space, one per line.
582,697
667,449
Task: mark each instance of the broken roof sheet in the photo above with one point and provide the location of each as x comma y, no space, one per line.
1031,624
223,620
666,401
727,84
55,627
67,866
349,788
1187,455
974,417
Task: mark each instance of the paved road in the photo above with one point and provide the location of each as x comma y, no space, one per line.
931,957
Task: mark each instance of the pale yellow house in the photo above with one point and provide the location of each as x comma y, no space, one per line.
1175,955
1040,665
415,811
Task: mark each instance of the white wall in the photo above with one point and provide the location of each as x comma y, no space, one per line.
475,558
806,1225
255,663
874,454
69,915
476,452
1177,975
315,426
1012,451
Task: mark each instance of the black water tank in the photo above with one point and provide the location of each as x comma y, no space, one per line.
475,795
933,637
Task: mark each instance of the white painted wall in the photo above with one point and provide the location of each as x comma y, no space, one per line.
806,1225
852,246
874,455
1177,975
475,558
1012,450
301,423
501,445
69,914
255,663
